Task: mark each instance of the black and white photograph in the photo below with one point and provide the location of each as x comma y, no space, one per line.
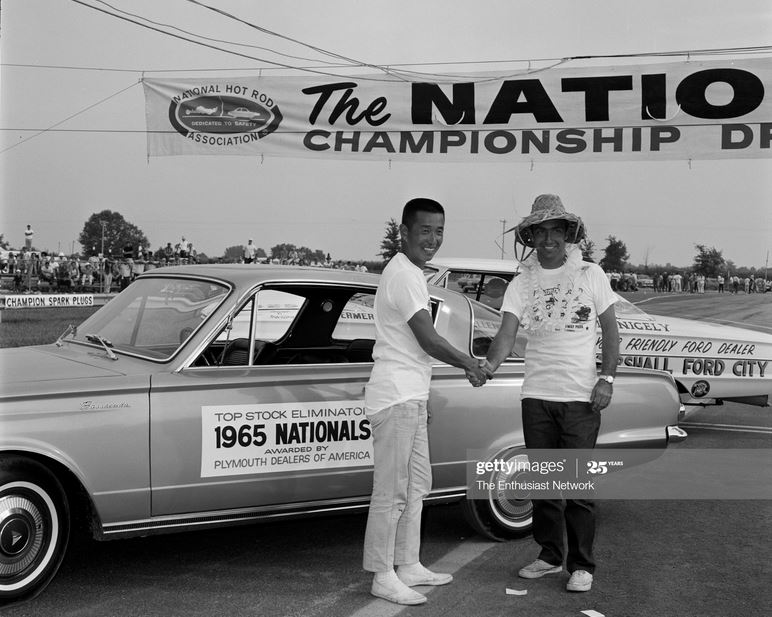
364,309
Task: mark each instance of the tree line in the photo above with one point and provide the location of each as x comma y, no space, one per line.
108,232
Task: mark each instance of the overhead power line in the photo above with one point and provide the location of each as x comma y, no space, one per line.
210,46
201,36
77,113
394,71
686,53
320,50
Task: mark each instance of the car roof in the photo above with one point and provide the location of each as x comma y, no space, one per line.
248,274
475,264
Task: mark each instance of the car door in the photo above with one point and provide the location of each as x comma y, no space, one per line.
272,412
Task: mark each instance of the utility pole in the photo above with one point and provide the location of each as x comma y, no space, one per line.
503,226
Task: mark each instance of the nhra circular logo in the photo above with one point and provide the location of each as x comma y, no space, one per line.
214,115
700,388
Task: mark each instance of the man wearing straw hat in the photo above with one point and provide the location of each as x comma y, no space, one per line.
557,299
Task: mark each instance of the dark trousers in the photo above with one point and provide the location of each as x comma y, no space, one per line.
574,425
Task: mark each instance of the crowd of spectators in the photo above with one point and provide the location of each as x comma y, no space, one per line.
33,269
106,274
686,281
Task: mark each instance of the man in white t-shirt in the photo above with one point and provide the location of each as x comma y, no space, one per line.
396,396
557,299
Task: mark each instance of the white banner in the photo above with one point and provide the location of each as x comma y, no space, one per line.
45,300
255,439
684,110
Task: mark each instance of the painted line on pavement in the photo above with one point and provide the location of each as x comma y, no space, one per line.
737,428
451,563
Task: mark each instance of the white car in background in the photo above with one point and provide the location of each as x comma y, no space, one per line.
710,362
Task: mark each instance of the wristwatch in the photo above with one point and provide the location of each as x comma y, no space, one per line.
608,378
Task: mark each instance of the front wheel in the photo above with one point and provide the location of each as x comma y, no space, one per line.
34,528
502,515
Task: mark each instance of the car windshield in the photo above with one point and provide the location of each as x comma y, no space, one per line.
627,310
152,317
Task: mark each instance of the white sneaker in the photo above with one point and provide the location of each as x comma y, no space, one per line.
580,580
396,591
416,575
537,569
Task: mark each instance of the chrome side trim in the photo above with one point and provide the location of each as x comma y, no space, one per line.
175,523
675,434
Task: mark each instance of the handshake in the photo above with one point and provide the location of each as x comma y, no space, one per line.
481,372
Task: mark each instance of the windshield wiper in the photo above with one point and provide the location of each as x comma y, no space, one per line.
95,338
73,330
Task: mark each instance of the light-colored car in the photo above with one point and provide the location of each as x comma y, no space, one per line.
710,362
244,113
212,395
472,277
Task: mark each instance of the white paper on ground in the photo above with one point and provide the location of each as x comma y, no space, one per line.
517,592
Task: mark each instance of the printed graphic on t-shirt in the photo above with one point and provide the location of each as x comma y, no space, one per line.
560,310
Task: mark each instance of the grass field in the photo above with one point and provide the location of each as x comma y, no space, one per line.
38,326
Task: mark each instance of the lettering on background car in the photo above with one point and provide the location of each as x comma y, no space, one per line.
750,368
737,349
658,363
704,366
697,346
650,344
648,326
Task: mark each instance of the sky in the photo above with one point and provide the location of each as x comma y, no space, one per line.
75,58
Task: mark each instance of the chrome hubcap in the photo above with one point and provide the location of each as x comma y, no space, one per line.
21,534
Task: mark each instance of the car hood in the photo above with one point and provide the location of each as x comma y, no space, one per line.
48,363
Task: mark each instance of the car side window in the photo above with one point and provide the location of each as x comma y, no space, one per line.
465,282
250,336
486,324
492,292
357,320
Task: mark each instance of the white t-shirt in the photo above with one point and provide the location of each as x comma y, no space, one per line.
560,356
402,369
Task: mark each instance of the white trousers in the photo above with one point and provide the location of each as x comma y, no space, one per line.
402,477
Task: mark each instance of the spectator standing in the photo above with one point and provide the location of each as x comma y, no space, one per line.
700,283
747,284
615,278
107,274
28,233
720,281
250,250
125,271
183,249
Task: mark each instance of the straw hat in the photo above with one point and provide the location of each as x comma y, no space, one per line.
549,208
